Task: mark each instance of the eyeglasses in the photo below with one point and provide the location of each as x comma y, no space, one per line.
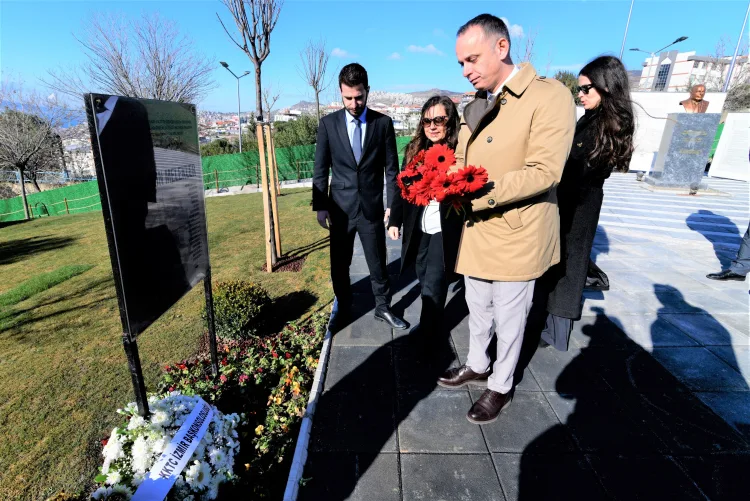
438,121
584,88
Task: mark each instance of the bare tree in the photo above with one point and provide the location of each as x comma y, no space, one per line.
255,33
145,58
718,63
29,142
271,94
314,59
523,52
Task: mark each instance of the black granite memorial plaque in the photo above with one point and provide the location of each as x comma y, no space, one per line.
683,153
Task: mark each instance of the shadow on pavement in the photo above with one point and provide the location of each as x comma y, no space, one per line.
705,221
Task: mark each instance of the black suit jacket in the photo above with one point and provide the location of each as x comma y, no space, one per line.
354,186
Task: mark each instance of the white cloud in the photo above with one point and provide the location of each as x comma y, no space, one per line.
428,49
342,53
515,30
395,56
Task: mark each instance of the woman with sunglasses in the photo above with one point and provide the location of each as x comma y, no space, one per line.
603,143
430,234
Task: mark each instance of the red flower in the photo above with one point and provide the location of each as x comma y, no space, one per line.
287,355
440,157
171,388
443,185
243,378
105,440
471,179
260,369
224,361
182,367
223,378
274,354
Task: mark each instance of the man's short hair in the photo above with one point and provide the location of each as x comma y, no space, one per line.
352,75
491,25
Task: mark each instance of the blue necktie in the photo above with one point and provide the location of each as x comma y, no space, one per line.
357,140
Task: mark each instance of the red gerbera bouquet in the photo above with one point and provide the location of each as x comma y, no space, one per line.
427,178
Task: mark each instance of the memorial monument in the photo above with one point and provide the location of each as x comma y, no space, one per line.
684,149
696,103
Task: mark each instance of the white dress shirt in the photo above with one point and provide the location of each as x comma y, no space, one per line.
430,223
351,124
500,87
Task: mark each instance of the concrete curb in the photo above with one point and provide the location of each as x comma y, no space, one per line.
303,439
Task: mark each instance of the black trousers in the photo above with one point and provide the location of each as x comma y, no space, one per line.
430,267
372,236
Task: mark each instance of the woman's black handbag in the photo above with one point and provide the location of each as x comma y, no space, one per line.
596,279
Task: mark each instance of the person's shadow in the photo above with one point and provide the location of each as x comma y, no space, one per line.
639,428
705,222
363,403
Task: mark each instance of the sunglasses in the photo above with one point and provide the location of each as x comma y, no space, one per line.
585,88
438,121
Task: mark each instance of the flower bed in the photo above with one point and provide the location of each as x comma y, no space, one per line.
266,380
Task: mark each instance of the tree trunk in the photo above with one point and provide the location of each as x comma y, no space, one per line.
258,93
317,103
23,195
36,184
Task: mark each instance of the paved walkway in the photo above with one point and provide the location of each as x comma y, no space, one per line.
652,400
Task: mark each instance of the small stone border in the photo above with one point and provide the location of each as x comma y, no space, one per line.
303,439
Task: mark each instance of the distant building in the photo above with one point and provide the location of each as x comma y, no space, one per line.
675,71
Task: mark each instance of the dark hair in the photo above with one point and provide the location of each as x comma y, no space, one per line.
420,141
352,75
491,25
615,126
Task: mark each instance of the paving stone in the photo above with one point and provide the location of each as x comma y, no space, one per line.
353,477
420,361
562,371
436,423
739,322
454,477
732,406
644,478
720,477
706,330
360,368
599,422
738,357
518,427
684,423
699,369
652,330
547,476
364,331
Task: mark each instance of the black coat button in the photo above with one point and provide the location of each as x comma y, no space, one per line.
489,139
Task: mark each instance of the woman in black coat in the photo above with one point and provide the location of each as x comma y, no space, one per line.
603,143
431,234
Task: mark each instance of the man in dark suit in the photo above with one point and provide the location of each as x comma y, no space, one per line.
358,146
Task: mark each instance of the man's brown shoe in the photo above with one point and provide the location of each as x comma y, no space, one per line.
488,407
461,376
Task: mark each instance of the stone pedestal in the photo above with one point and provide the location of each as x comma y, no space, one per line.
683,153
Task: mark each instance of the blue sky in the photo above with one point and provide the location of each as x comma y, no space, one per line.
405,46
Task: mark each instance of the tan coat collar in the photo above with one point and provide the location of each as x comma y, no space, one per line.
518,84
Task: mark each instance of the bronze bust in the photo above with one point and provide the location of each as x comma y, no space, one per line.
696,103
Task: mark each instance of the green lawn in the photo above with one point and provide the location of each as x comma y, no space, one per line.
62,364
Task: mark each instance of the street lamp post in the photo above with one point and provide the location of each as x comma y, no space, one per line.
627,25
239,116
736,49
653,54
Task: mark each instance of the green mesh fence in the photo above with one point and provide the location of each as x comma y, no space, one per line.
74,199
222,171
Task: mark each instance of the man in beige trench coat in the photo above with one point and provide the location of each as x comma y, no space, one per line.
520,128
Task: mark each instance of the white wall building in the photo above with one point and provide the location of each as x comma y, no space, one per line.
675,71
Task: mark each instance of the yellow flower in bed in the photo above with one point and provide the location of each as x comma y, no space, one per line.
259,429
